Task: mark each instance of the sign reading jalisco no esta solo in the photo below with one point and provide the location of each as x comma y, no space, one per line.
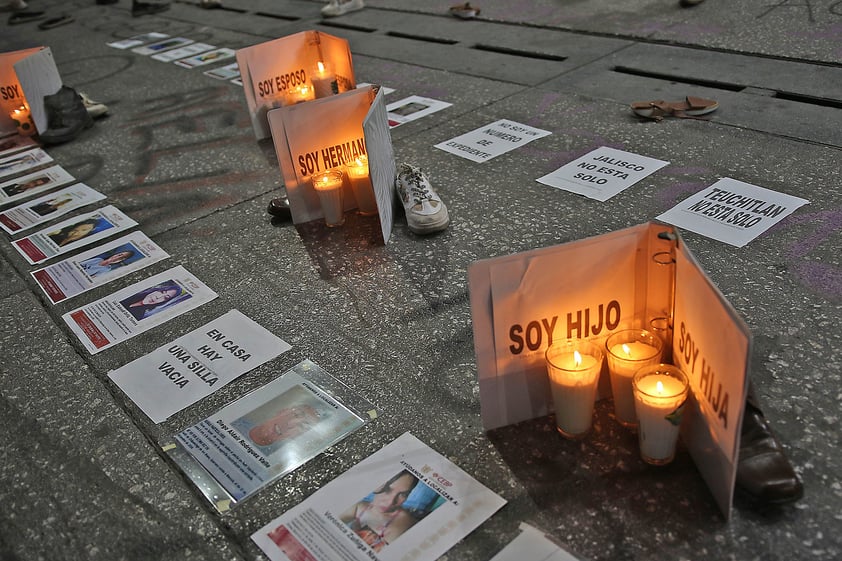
640,278
286,71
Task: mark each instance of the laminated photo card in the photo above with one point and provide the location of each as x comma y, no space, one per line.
346,134
639,278
296,68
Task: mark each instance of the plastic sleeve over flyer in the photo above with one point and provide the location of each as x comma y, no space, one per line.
267,433
405,502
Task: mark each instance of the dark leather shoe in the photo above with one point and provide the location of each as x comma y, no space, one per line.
148,8
763,470
66,116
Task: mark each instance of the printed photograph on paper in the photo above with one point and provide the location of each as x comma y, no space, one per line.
33,183
206,58
412,108
72,234
268,433
405,502
49,207
227,72
166,44
137,308
137,40
16,143
21,162
98,266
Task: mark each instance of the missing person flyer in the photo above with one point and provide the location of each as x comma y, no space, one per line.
33,183
48,207
23,161
72,234
98,266
195,365
137,308
16,143
267,433
404,502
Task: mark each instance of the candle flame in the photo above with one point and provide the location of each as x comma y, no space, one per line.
659,387
321,66
626,349
577,358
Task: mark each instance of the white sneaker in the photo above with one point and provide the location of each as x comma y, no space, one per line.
94,108
342,7
425,211
13,6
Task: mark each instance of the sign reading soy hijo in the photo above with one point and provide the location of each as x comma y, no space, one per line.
274,71
331,133
193,366
590,289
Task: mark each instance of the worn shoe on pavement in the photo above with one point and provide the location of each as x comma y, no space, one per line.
425,211
94,108
763,470
148,8
66,116
464,11
13,6
25,16
342,7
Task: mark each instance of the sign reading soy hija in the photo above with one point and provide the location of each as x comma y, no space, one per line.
27,76
732,211
195,365
490,141
332,133
279,72
592,288
602,173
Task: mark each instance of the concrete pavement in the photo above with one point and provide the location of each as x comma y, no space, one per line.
82,472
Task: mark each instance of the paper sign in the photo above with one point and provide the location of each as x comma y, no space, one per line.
533,545
266,434
183,52
330,133
98,266
226,72
48,207
33,183
137,40
350,518
491,140
386,90
271,69
412,108
137,308
72,234
195,365
19,163
166,44
206,58
26,77
603,173
591,288
731,211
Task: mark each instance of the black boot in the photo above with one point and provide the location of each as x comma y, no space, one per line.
763,470
66,116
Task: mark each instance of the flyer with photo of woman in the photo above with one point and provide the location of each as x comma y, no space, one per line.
49,207
405,502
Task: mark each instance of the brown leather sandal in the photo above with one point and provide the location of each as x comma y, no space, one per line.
689,108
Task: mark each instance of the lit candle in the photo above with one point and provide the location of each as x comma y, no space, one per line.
328,185
659,394
361,184
299,94
628,352
573,367
324,81
23,120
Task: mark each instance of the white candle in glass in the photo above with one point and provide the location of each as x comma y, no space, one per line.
573,367
629,351
659,393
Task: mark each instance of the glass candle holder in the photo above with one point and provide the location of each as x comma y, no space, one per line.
324,80
328,185
358,175
660,392
573,367
629,350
